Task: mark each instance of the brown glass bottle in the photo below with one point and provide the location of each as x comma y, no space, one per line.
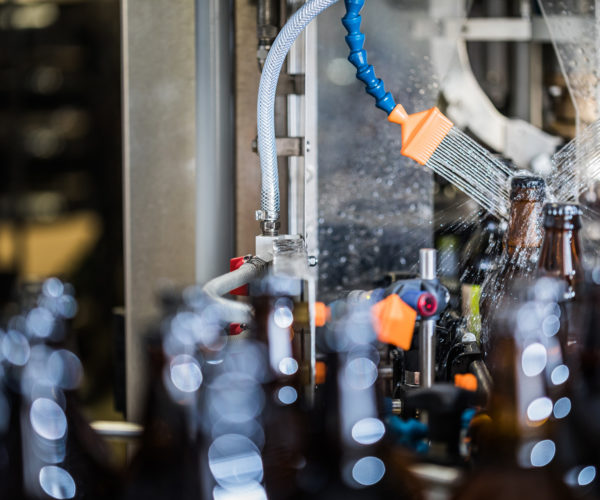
516,453
167,461
560,258
521,248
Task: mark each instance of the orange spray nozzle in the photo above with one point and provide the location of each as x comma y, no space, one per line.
422,132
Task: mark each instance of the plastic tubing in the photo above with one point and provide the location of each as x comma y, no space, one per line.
267,150
232,311
358,57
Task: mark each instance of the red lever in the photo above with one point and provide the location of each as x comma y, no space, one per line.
234,264
235,329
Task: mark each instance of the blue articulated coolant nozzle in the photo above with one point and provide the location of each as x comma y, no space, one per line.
358,57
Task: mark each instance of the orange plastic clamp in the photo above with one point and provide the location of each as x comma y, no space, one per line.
394,321
322,314
466,381
320,372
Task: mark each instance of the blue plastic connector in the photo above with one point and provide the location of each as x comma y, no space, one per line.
358,57
409,433
466,417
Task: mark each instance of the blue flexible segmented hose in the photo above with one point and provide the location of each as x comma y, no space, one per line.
268,84
358,57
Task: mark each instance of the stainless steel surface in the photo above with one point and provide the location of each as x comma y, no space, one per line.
386,372
116,430
247,170
159,137
485,29
440,481
311,144
267,227
412,378
295,127
536,85
511,29
290,146
427,263
427,271
427,352
215,139
267,21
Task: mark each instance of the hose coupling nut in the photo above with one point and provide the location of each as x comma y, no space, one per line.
270,227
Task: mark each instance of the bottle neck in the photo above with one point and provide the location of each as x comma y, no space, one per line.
560,255
524,234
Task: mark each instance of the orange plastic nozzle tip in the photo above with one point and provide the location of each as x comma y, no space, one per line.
394,321
322,314
320,372
398,115
466,381
422,132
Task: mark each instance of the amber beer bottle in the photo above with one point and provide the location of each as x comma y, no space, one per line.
521,248
517,452
561,249
560,259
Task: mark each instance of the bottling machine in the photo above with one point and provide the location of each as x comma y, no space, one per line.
333,212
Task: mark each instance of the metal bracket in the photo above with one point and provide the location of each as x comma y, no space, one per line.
286,146
290,84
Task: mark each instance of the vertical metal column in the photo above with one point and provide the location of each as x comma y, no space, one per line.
247,171
215,146
427,263
159,136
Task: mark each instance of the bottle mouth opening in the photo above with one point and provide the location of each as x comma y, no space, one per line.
527,188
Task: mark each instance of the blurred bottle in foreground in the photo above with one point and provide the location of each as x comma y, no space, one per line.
167,463
515,447
349,455
479,258
521,249
48,448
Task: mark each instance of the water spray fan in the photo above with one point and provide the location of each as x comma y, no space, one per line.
429,137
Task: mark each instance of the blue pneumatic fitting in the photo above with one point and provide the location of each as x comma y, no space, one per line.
466,417
358,57
409,433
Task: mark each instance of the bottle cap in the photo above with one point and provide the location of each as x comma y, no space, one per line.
562,216
527,188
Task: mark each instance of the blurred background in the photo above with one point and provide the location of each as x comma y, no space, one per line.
61,150
61,169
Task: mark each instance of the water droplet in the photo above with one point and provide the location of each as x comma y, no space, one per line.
48,419
368,471
57,482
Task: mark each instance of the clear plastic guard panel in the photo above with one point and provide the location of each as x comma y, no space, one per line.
375,206
574,29
574,26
